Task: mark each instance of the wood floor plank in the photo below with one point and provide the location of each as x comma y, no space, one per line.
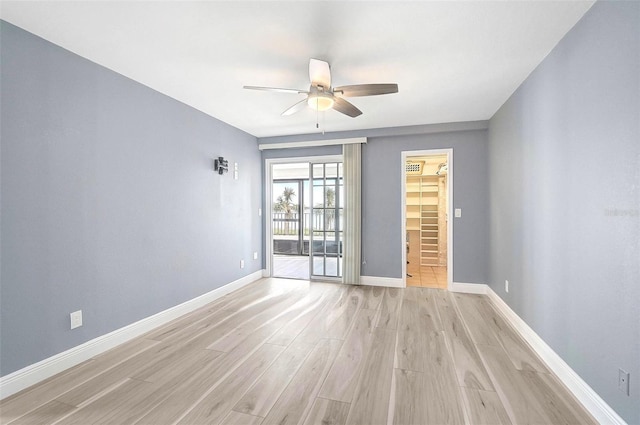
46,414
295,402
390,308
520,353
261,397
474,315
437,356
554,400
451,323
428,316
237,418
289,332
188,391
327,412
216,319
246,294
98,410
410,349
102,382
408,316
441,388
318,327
178,325
216,405
288,306
484,407
371,402
409,398
342,318
443,399
194,379
125,408
342,380
247,318
173,358
27,400
410,344
123,352
31,398
372,297
468,365
168,371
273,288
510,386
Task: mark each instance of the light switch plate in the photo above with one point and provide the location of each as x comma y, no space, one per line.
458,212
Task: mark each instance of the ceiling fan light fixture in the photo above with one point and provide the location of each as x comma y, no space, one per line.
320,101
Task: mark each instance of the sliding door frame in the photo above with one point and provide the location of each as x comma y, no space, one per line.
268,196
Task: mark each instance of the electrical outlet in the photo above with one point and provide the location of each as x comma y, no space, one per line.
458,212
623,381
76,319
506,286
255,255
242,264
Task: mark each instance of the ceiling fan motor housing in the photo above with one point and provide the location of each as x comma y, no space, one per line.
319,98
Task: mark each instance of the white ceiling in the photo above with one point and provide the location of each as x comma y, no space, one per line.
453,60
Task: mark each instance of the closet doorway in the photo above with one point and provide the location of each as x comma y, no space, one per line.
427,219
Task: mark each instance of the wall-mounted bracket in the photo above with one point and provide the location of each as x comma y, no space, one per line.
221,165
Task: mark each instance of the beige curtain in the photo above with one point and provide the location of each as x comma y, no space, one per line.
352,164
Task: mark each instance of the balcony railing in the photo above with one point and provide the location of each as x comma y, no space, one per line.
288,240
288,224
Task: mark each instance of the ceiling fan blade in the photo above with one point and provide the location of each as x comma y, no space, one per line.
319,73
296,108
345,107
276,89
366,90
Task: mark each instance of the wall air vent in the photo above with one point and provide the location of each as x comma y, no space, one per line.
414,167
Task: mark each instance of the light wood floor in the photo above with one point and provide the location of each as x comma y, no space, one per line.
292,352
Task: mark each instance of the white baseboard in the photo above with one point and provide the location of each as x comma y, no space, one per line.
469,288
598,408
391,282
32,374
265,273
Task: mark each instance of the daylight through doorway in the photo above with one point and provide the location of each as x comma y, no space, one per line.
306,222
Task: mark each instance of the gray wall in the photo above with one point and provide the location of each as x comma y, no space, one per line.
381,195
109,200
565,200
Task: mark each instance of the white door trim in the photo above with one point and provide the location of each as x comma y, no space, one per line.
403,190
268,208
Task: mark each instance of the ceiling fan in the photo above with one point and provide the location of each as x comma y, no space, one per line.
321,96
